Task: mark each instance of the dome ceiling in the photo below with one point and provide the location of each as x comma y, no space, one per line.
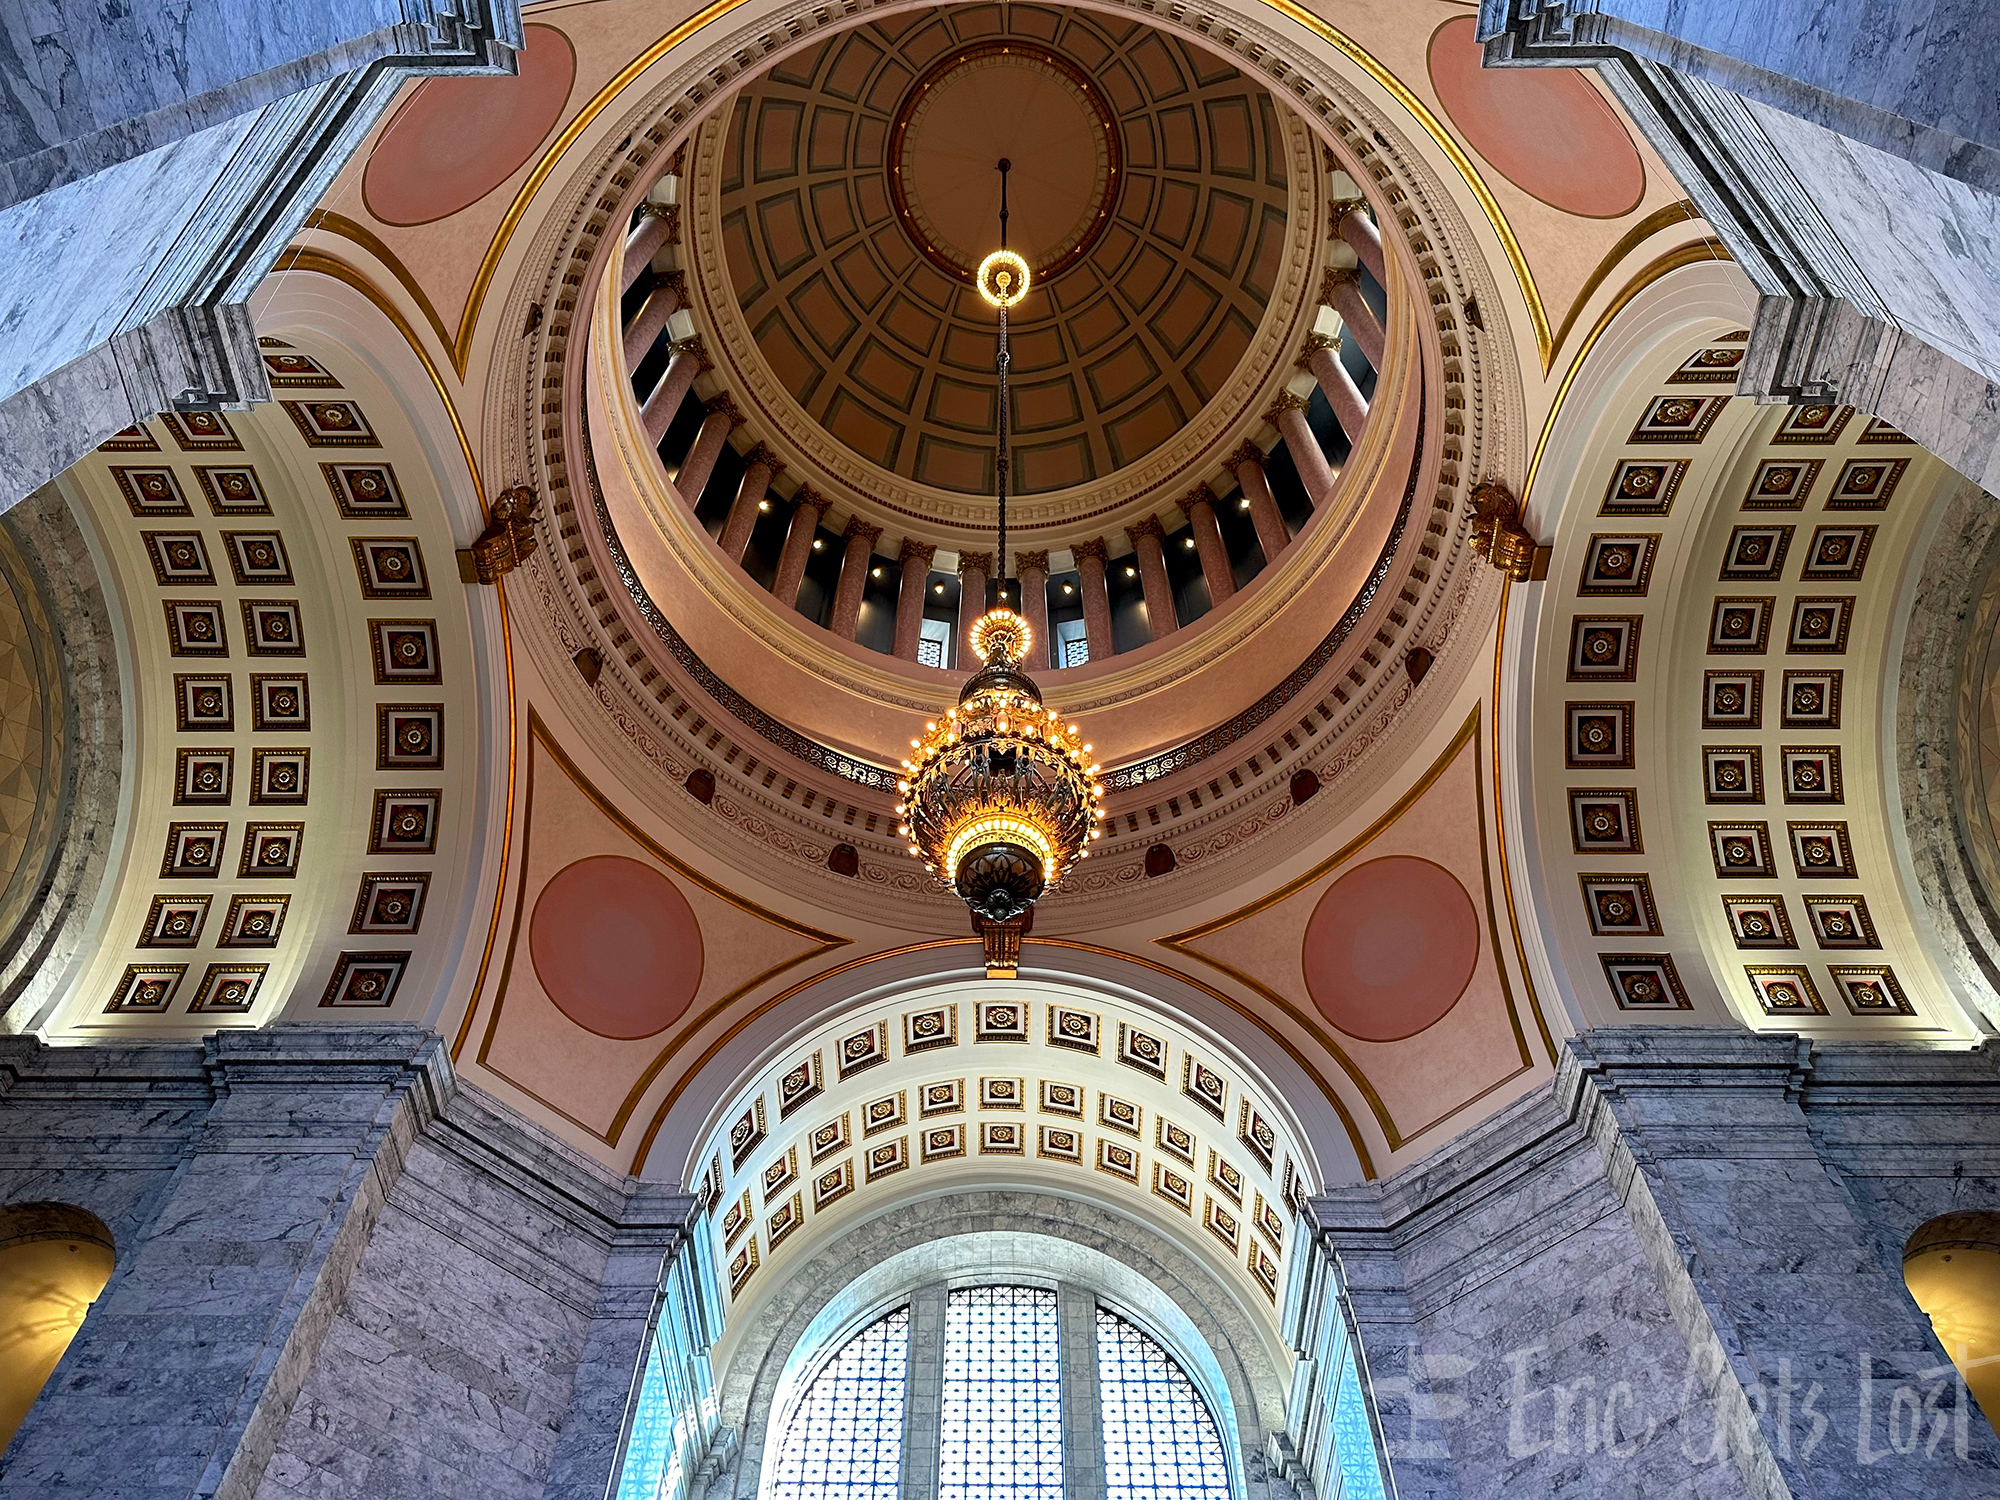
1150,189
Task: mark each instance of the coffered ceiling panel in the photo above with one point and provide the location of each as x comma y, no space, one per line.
858,188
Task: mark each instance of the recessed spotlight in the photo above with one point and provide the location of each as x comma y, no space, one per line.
763,505
1188,542
819,543
874,572
1131,572
937,588
1244,503
1069,588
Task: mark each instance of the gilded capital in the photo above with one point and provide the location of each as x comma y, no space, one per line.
1335,278
773,465
1287,401
675,282
975,562
856,527
1339,213
1497,533
1091,548
1250,454
1146,526
1031,562
1199,496
724,406
811,499
693,345
1315,342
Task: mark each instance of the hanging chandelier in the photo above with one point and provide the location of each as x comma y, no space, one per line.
1000,796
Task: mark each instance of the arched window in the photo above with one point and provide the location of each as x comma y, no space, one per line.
844,1439
1013,1392
1160,1443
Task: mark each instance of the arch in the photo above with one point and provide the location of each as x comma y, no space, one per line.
1952,1268
997,1235
54,1262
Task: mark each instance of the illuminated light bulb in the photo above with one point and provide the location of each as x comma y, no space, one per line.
937,588
763,505
874,572
819,543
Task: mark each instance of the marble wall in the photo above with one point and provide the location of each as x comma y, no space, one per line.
339,1274
1679,1273
84,85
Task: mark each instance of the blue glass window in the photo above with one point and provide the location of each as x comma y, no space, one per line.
845,1437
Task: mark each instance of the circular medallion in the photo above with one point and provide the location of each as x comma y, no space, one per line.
1390,947
1011,99
616,946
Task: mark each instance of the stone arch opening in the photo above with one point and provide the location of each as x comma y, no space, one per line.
54,1262
1952,1267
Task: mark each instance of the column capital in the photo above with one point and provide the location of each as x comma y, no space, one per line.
1287,401
1249,453
975,562
1314,343
674,281
1146,526
1031,562
1201,494
669,214
759,454
916,551
811,499
1335,278
724,406
856,527
1090,547
1340,211
692,344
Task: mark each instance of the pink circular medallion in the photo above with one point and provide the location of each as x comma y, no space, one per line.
457,139
1390,948
1545,130
616,946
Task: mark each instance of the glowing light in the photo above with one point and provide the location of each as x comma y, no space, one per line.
1003,279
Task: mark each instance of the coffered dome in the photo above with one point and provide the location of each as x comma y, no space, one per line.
853,189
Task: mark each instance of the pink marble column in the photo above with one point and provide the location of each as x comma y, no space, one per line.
974,569
1090,559
1215,569
1351,223
659,224
1315,473
854,562
1031,571
1149,541
688,363
808,510
1247,463
723,418
916,559
668,296
1340,289
1321,355
760,468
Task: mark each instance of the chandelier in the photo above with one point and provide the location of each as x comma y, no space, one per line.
1000,796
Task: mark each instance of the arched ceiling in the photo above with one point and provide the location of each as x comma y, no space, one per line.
1150,190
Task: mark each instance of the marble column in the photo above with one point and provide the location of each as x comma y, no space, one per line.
861,539
1032,569
916,559
659,224
809,508
1351,223
760,468
1321,355
1315,473
1149,541
1090,560
688,364
974,569
1340,289
668,296
723,418
1247,463
1215,569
